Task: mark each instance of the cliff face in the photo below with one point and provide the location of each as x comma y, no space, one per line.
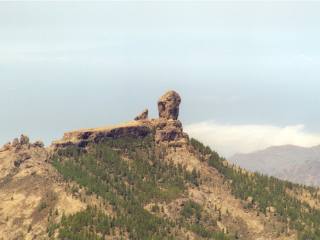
167,129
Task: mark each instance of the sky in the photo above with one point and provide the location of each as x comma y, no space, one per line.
248,72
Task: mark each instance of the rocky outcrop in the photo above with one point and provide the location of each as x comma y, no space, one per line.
18,144
168,105
167,129
21,158
28,180
38,144
81,138
170,132
142,116
24,140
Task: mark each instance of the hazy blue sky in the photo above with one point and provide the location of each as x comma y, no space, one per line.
236,64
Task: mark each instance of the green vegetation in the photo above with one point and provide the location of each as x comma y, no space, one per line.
191,215
90,224
127,184
191,209
268,191
200,230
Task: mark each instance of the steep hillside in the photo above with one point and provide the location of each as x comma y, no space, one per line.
289,162
144,180
30,189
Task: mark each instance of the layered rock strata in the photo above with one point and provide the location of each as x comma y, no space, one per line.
167,129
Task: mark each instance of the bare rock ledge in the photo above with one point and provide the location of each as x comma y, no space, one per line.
167,129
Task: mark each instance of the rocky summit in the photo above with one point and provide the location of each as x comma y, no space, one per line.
166,129
168,105
144,180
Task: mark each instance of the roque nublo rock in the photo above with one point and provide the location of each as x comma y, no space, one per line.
168,105
166,129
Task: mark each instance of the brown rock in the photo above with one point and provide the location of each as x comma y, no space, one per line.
39,144
170,131
135,129
167,129
24,140
168,105
142,116
21,158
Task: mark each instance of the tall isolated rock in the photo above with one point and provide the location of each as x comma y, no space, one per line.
168,127
168,105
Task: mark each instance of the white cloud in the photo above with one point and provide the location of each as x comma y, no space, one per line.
229,139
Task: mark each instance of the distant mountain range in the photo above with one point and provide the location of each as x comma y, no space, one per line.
288,162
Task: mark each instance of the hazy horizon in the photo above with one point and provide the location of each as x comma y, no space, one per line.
247,71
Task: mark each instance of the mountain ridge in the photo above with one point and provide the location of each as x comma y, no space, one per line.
144,180
288,162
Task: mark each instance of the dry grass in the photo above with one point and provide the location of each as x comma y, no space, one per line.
29,194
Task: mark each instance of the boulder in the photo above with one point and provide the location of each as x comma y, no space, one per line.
168,105
21,158
39,144
24,140
142,116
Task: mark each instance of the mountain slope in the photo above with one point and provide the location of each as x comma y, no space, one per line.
307,173
289,162
145,180
155,196
30,188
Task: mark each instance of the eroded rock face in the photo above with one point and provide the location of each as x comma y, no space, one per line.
168,105
19,144
142,116
81,138
170,132
167,129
